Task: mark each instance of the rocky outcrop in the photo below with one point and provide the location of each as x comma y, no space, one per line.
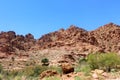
67,68
104,39
10,42
108,37
69,37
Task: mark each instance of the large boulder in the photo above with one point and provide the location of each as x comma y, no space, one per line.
67,68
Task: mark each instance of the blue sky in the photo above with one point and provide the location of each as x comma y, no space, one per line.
43,16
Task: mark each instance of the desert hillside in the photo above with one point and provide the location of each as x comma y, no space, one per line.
104,39
18,52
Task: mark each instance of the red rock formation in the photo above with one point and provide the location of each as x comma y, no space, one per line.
107,38
10,42
103,39
67,68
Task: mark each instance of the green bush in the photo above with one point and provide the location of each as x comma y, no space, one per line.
93,60
52,78
105,61
34,70
45,62
56,68
84,68
1,68
28,73
77,78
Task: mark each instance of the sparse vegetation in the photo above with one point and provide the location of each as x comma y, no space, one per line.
52,78
26,58
45,62
77,78
1,68
105,61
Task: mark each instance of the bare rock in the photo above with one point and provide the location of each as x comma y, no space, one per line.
104,74
99,72
48,73
95,76
67,68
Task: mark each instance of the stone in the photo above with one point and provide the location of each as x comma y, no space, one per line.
48,73
95,76
67,68
104,74
98,71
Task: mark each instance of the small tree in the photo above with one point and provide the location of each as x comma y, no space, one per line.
45,62
109,61
105,61
93,60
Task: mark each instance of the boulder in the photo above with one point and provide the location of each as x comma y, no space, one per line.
48,73
95,76
98,71
67,68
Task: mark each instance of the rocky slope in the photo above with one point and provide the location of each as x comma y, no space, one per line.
108,37
104,39
10,43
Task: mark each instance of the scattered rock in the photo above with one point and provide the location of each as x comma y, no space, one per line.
95,76
48,73
98,71
104,74
10,43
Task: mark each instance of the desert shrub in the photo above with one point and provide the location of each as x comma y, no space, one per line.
52,78
34,70
77,78
11,75
105,61
37,70
93,60
28,71
1,68
82,61
82,65
109,61
77,68
84,68
58,69
1,76
45,62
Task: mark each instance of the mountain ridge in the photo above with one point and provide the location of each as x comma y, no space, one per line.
105,39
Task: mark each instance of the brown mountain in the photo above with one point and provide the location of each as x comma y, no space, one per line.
105,39
10,43
108,37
